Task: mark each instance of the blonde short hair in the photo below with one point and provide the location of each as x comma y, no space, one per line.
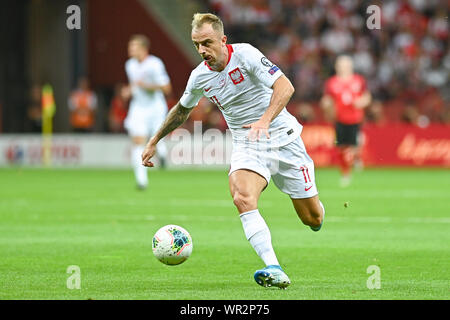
201,18
142,39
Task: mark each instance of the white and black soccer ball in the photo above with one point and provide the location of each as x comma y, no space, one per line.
172,244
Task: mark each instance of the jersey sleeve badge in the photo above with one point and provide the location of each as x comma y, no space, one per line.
272,67
273,70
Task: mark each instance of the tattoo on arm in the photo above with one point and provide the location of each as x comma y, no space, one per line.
176,117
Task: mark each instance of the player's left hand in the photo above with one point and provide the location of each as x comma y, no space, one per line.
149,152
359,103
140,84
257,129
146,86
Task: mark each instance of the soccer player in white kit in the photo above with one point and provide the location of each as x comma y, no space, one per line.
252,94
148,108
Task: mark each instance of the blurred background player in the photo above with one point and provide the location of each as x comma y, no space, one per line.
149,83
345,97
82,106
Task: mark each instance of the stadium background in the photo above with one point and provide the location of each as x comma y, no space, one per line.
406,64
395,218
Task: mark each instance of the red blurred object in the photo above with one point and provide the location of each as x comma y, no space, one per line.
388,145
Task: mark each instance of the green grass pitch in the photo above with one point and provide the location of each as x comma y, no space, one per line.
396,219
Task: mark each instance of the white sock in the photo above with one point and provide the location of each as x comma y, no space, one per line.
323,209
140,172
258,234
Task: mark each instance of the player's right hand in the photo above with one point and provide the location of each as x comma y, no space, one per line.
149,152
257,130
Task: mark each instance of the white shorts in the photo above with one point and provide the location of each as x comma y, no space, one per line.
144,122
290,167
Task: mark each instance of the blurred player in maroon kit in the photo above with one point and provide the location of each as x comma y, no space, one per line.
346,96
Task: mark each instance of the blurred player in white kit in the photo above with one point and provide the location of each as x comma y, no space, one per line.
252,94
149,83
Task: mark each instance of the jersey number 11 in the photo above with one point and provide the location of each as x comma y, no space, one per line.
216,102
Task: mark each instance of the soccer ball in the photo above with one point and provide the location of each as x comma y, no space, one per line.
172,244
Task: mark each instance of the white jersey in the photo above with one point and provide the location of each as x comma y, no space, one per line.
150,71
242,91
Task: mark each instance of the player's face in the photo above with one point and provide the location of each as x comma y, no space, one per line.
344,66
211,45
136,49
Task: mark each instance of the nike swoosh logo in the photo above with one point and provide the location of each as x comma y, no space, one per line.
206,90
307,189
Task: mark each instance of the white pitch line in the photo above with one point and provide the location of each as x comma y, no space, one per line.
169,202
428,220
200,203
372,219
387,195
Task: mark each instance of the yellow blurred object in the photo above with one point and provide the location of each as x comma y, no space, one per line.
48,111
